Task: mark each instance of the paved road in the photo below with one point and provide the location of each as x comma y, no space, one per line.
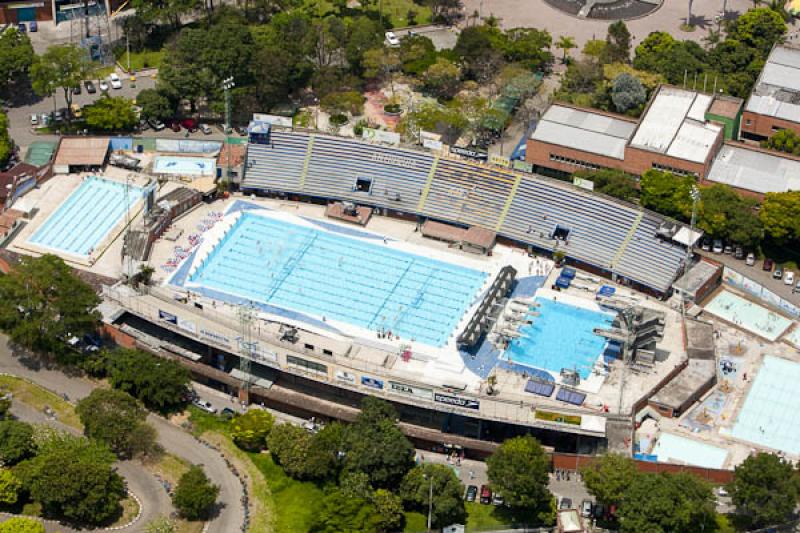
173,439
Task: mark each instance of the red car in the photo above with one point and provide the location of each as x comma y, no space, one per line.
174,125
767,266
190,124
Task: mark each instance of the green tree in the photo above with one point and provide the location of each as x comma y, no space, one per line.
343,102
62,66
480,50
759,28
518,469
612,182
764,490
389,510
155,105
356,485
43,302
667,503
382,64
16,441
6,143
326,450
289,446
448,503
111,114
16,55
565,43
114,417
73,479
158,383
783,141
167,11
667,193
5,407
608,477
618,43
417,53
362,34
21,524
9,487
528,46
780,215
249,431
376,446
627,93
341,513
443,78
195,496
723,213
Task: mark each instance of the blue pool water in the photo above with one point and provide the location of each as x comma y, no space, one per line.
185,166
332,275
561,336
84,219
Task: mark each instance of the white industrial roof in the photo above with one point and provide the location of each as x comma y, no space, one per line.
755,171
777,92
583,130
675,125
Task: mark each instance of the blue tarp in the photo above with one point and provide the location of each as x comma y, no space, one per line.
570,396
568,272
540,388
606,290
646,457
563,283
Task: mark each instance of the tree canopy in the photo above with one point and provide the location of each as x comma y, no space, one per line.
9,487
612,182
116,419
73,479
61,66
667,193
627,92
43,303
158,383
16,55
111,114
780,215
195,495
249,430
448,503
21,524
16,441
342,513
608,477
518,470
765,490
155,105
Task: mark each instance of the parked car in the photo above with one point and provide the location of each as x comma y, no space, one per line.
498,499
391,39
788,279
767,265
227,413
722,493
486,495
205,128
156,124
717,249
77,89
751,259
205,406
90,88
778,272
75,110
739,253
33,26
175,126
796,287
143,125
599,511
58,115
728,249
241,130
34,119
471,494
103,86
116,83
586,508
190,124
45,119
21,27
706,245
566,503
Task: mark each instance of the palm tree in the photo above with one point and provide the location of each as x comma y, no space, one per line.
689,17
566,44
712,39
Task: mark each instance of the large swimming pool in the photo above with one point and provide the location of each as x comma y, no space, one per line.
86,217
560,336
357,281
184,166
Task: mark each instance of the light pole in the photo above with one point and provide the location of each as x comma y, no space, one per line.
429,477
227,85
695,194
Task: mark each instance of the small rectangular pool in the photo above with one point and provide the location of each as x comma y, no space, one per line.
672,448
561,336
329,274
748,315
184,166
87,216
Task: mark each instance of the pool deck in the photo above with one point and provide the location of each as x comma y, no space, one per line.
746,304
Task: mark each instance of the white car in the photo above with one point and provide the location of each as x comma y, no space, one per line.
116,83
392,39
103,86
788,278
205,406
34,119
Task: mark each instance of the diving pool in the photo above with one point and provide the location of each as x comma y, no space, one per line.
184,166
748,315
672,448
86,217
770,414
357,281
561,336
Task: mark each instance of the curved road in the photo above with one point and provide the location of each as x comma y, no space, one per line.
173,439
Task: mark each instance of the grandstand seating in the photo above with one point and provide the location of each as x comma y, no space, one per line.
603,232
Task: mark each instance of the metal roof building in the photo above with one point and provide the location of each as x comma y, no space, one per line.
774,103
755,170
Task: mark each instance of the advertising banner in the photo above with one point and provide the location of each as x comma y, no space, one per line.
466,403
167,317
371,382
583,184
410,390
386,137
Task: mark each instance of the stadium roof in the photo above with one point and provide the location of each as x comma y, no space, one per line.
777,92
674,124
755,170
584,130
82,151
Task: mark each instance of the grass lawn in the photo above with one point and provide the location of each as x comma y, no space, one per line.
129,511
397,12
484,517
415,522
142,60
39,398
